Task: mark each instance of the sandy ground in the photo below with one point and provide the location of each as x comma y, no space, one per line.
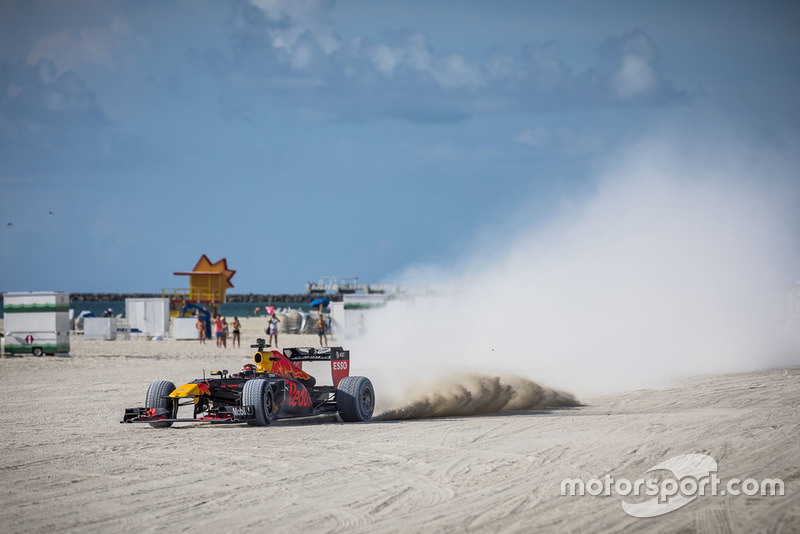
69,466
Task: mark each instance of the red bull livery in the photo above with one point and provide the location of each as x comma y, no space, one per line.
274,386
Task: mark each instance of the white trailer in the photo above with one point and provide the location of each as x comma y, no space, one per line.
148,316
184,328
36,322
104,328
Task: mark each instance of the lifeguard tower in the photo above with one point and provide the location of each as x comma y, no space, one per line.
208,283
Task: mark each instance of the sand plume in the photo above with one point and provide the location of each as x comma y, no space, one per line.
479,395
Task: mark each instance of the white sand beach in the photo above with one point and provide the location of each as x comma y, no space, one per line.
68,465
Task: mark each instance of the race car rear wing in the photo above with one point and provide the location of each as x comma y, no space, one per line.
339,358
308,354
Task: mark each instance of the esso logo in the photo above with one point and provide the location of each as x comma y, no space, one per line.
340,365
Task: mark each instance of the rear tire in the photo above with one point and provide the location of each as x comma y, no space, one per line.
259,394
355,399
157,397
38,351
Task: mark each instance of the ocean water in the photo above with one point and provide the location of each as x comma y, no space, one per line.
229,309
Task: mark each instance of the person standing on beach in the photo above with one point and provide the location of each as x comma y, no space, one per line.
237,327
201,330
225,332
322,330
218,330
272,329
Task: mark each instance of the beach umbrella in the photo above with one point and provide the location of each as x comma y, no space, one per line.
319,302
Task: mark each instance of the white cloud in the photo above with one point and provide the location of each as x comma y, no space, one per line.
535,137
293,18
279,44
455,71
635,77
39,97
109,46
386,59
501,66
302,57
451,71
635,59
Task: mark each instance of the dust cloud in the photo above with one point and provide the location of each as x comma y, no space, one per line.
675,262
478,395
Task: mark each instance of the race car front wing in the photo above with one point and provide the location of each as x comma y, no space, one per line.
223,414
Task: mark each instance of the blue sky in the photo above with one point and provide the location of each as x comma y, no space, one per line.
301,139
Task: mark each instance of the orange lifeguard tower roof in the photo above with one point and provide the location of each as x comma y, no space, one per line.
208,281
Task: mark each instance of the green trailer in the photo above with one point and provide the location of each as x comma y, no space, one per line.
36,322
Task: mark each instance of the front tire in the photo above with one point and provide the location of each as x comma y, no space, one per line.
158,397
355,399
38,351
259,394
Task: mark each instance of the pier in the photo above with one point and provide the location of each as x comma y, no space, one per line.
343,285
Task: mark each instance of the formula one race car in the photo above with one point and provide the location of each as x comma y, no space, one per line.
274,386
